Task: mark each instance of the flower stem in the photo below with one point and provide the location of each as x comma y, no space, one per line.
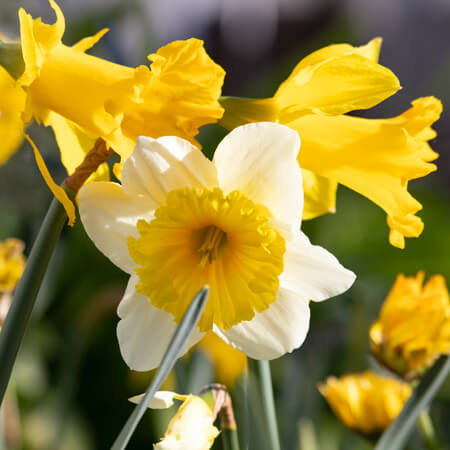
261,369
27,289
229,439
426,427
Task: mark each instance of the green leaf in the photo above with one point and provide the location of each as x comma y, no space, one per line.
182,333
28,287
229,439
397,435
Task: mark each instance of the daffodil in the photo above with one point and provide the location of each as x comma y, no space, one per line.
365,402
229,363
12,103
175,96
179,222
83,97
414,325
375,157
191,428
12,263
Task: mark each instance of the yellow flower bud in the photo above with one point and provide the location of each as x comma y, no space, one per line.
365,402
414,325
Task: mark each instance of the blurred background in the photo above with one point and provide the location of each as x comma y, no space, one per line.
70,385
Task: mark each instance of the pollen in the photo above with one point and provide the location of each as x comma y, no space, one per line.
206,237
210,247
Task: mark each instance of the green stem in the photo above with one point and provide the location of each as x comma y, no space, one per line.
27,289
230,439
261,370
426,427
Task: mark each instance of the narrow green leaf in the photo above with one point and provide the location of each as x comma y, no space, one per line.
229,439
182,333
261,370
397,435
27,289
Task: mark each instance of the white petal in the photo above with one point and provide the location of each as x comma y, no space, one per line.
109,216
144,332
260,159
161,400
274,332
158,166
314,272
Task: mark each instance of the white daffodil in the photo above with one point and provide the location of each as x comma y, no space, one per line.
179,222
191,428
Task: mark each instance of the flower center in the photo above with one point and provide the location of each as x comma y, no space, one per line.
212,241
204,237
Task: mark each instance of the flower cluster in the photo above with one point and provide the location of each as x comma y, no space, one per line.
413,330
176,221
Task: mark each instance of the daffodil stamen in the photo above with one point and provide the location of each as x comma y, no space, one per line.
214,237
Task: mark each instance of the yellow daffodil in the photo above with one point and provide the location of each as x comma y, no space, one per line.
179,222
191,428
175,96
375,157
228,362
12,103
12,263
83,97
414,325
365,402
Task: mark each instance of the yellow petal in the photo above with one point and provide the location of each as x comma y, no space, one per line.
320,195
12,103
37,40
335,86
74,144
371,51
182,95
57,191
375,157
88,42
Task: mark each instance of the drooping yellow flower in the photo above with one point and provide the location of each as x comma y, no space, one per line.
179,222
12,103
83,97
365,402
414,325
191,428
228,362
375,157
175,96
12,263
